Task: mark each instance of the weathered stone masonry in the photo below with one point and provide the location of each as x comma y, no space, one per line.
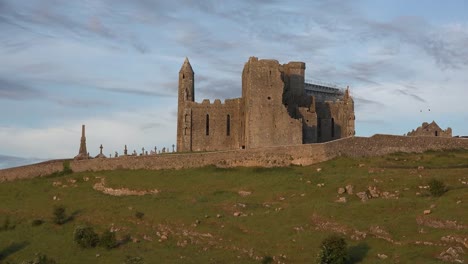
305,154
275,109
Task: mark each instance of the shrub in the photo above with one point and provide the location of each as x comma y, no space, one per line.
66,167
37,222
59,216
108,240
85,237
436,188
267,260
139,215
333,251
134,260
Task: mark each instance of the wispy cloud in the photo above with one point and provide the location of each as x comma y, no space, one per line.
17,91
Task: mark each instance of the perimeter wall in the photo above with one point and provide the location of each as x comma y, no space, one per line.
304,155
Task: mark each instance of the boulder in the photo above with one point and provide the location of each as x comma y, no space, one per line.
349,189
341,190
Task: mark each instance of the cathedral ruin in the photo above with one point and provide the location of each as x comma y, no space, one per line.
277,107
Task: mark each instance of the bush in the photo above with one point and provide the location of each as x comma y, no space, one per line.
108,240
436,188
139,215
267,260
37,222
85,237
333,251
59,216
66,167
134,260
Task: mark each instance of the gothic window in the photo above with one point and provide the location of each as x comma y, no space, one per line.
185,131
332,127
207,125
228,125
186,94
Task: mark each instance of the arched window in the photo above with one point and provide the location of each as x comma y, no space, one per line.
333,128
228,125
436,134
207,124
186,94
186,131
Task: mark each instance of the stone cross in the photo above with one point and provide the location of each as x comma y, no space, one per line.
101,148
155,149
142,151
173,146
125,150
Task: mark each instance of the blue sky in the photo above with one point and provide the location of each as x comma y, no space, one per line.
113,65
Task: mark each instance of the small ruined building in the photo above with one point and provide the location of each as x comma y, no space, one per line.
277,108
430,130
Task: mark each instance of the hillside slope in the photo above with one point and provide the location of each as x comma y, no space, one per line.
241,215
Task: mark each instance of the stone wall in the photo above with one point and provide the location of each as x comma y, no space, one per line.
31,171
304,154
221,131
267,121
431,130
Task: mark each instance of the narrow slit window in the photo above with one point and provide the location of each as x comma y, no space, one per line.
319,127
207,125
332,127
228,125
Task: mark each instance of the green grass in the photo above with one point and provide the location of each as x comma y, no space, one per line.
282,213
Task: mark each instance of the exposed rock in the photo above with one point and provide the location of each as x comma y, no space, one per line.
363,196
453,254
349,189
100,186
244,193
382,256
420,167
341,190
319,169
237,214
341,200
436,223
426,212
374,193
361,165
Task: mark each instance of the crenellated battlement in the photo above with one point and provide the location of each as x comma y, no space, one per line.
275,109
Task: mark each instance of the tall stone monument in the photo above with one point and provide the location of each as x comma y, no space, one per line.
83,153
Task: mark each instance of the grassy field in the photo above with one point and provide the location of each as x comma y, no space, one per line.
283,213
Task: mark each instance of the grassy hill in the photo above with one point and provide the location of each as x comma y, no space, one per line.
243,215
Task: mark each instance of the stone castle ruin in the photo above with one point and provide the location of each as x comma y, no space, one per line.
277,108
430,130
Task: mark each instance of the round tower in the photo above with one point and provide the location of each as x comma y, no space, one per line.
184,114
